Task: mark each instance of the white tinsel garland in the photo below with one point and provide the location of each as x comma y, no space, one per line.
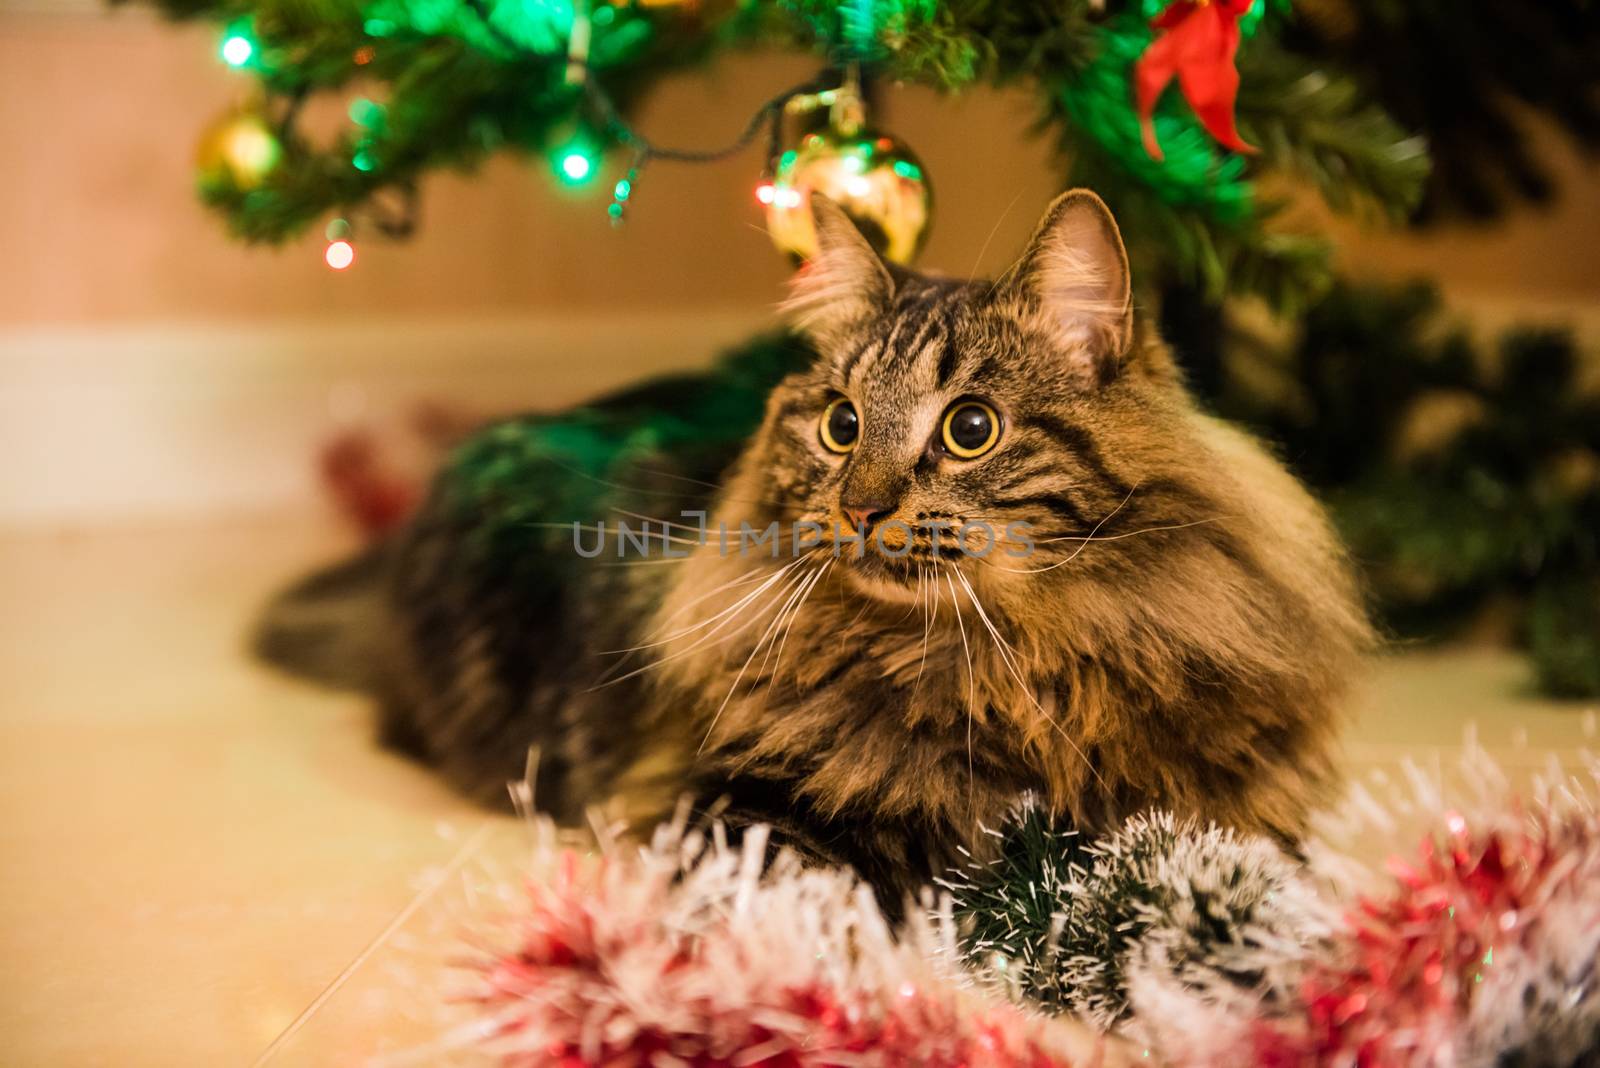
1215,950
690,952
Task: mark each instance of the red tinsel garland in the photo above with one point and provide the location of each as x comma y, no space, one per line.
619,965
694,957
1402,984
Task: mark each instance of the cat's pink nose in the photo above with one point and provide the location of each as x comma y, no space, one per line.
864,515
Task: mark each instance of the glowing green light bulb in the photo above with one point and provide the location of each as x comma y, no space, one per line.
364,112
576,166
237,49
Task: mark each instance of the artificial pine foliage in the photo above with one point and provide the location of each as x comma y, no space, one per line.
1203,906
454,81
1465,73
1464,479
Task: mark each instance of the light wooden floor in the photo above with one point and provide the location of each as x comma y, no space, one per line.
201,862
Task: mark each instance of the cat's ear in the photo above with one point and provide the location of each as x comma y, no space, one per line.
1075,273
844,283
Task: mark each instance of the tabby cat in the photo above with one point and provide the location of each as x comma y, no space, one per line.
1040,569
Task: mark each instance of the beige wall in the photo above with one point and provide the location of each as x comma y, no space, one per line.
102,207
115,283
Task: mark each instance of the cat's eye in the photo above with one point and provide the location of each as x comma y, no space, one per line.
840,426
970,429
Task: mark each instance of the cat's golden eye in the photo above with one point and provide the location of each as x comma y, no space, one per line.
970,429
840,426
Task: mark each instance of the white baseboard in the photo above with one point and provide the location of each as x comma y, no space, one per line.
169,422
135,423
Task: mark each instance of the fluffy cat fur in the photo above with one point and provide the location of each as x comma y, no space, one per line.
1181,634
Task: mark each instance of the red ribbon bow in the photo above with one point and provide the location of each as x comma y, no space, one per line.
1197,45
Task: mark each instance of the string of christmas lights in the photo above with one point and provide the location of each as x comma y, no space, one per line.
245,148
460,80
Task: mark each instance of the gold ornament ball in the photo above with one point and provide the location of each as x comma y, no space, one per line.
875,178
239,149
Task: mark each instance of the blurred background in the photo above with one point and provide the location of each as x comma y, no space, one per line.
134,329
173,405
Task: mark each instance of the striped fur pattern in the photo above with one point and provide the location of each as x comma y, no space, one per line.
1181,635
1173,624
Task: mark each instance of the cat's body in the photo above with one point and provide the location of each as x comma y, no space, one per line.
1171,624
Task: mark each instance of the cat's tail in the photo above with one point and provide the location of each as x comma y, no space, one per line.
327,627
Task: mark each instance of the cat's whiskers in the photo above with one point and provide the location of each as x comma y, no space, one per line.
1141,530
592,528
793,582
923,587
749,576
777,666
1006,651
1087,541
766,583
705,534
1096,529
711,485
790,594
701,538
699,532
805,581
623,655
737,610
995,229
782,613
912,606
972,689
980,518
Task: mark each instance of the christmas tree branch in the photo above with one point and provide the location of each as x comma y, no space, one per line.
463,79
1317,125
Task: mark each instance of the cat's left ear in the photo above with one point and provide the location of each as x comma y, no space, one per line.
843,284
1075,273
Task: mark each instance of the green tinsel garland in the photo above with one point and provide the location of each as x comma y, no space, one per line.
655,449
1068,923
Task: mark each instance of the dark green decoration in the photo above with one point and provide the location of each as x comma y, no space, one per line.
653,450
1014,909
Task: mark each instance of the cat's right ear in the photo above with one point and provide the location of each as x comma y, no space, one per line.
843,284
1075,274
